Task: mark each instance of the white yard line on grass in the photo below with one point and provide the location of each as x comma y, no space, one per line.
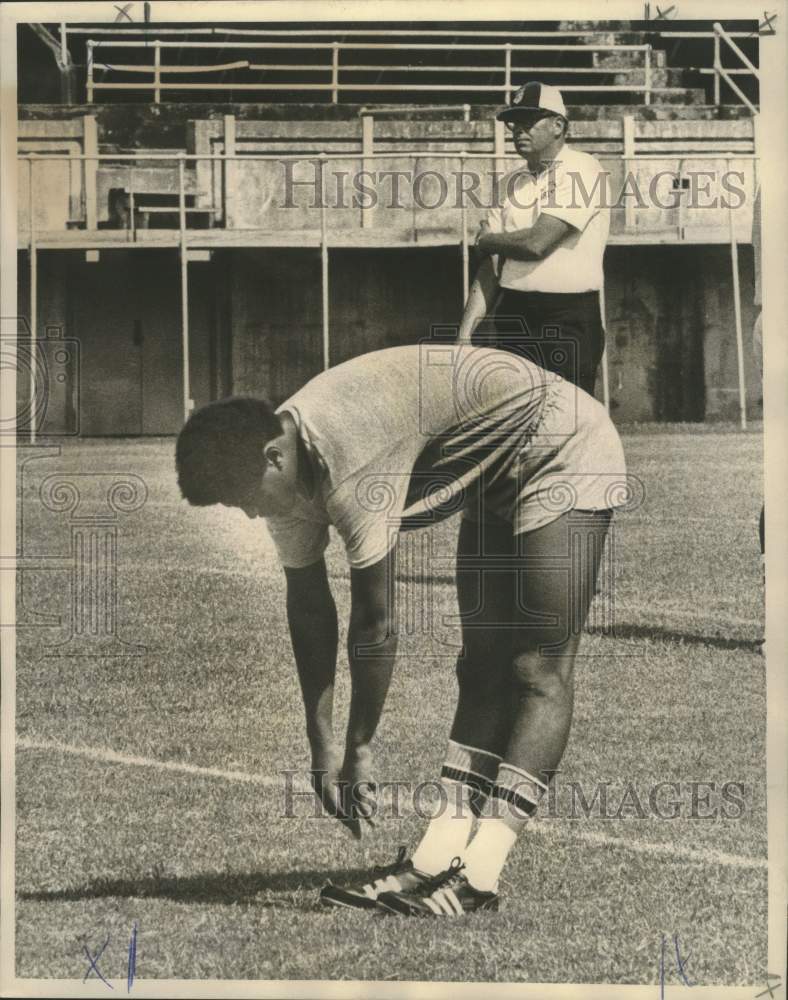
699,855
113,757
706,856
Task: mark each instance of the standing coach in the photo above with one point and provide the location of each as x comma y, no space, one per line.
543,246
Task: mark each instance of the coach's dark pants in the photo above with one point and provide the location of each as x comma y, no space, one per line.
561,332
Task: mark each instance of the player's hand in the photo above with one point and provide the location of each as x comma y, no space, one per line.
359,792
324,775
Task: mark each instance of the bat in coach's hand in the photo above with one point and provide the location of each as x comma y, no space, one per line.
484,230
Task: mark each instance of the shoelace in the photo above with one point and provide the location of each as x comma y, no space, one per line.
383,871
442,878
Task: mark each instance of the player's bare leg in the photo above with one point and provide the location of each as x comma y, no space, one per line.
560,566
486,595
548,602
486,580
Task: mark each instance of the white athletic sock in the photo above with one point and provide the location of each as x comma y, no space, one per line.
514,798
448,830
486,854
466,778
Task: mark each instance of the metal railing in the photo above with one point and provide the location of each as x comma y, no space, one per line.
720,71
340,73
453,32
628,158
185,238
179,160
400,109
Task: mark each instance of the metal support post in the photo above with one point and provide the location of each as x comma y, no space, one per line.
156,71
132,224
231,169
188,402
335,73
33,309
629,155
464,223
324,261
605,369
367,149
737,312
89,70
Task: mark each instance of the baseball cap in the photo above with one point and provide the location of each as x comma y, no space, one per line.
533,97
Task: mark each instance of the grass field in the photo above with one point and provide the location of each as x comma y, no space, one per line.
149,791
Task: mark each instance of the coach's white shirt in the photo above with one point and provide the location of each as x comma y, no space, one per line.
573,188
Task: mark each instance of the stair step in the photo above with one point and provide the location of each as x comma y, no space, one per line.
659,78
617,58
655,112
688,96
580,25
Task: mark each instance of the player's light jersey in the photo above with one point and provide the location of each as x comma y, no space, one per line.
400,434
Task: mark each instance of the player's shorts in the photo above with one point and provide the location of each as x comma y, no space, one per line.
573,461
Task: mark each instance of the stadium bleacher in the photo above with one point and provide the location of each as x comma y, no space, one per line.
182,138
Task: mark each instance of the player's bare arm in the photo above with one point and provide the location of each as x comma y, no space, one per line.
533,243
372,648
312,619
343,778
480,300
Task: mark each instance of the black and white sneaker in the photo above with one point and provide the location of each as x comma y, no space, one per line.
448,894
400,876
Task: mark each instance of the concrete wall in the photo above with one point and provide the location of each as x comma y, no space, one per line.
671,333
268,195
719,344
119,320
256,327
377,299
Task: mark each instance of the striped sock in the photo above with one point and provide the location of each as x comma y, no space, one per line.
514,798
477,769
467,778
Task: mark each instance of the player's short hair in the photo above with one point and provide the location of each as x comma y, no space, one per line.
219,453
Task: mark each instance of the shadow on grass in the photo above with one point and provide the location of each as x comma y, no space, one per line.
631,631
621,630
207,888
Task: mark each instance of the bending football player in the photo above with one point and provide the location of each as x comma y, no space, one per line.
539,467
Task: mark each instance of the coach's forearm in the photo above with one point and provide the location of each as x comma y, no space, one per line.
372,650
480,300
521,244
314,636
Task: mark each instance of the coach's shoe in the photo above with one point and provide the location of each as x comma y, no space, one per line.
448,894
400,876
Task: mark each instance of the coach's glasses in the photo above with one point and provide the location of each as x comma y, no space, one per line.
527,125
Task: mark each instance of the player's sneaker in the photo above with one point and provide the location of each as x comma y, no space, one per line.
448,894
400,876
